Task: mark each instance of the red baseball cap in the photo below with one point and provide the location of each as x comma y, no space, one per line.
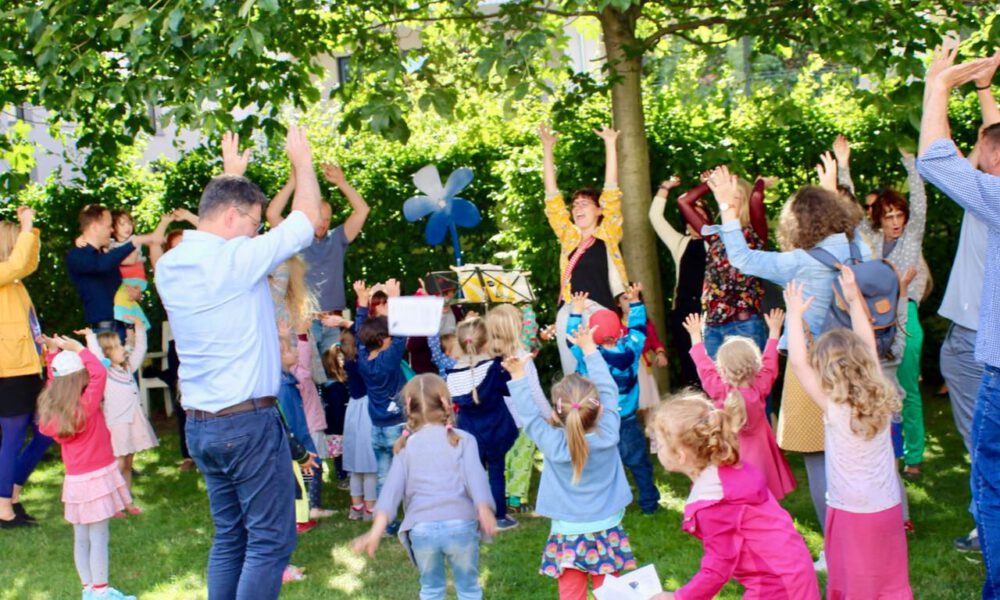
608,324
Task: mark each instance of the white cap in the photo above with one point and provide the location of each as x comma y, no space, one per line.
66,363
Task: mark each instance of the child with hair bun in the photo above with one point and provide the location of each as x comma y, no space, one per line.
437,477
746,534
583,487
742,376
864,544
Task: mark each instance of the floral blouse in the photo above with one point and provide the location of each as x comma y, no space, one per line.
728,292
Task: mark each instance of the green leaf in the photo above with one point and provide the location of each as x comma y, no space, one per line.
246,8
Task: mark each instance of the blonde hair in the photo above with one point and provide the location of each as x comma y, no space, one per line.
299,300
449,343
59,402
690,421
577,408
745,190
473,338
108,341
8,237
849,374
504,326
427,403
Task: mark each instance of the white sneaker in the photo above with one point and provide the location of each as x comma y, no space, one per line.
820,564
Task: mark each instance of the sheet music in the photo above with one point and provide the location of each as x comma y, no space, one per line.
415,315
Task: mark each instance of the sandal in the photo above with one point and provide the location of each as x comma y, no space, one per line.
911,472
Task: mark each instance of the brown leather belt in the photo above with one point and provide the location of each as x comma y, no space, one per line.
242,407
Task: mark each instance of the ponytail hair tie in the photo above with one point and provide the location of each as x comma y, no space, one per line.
448,426
468,340
406,433
575,406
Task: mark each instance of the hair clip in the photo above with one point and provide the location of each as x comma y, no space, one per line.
575,406
406,433
448,426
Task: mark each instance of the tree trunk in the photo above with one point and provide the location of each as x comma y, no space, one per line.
639,245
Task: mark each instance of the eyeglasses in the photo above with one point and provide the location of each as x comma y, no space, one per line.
258,223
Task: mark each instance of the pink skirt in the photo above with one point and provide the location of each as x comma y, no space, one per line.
95,496
129,438
866,555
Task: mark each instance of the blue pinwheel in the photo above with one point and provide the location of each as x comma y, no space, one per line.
447,211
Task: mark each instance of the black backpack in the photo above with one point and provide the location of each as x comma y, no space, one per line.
880,286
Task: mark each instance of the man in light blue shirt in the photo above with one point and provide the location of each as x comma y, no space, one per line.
214,288
978,191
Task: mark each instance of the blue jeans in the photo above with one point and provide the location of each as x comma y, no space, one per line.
458,541
985,484
753,328
244,459
325,337
633,449
383,439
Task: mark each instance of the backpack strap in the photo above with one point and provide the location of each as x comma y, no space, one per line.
855,252
825,257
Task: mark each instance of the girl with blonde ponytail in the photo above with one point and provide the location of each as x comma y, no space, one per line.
583,487
437,477
746,534
740,380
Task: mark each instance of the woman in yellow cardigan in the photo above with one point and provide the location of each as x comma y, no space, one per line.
20,366
589,233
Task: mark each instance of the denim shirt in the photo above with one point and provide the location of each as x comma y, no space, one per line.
783,267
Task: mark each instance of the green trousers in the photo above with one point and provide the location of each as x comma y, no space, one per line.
520,464
909,379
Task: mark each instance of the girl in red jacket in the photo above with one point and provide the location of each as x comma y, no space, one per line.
747,536
69,410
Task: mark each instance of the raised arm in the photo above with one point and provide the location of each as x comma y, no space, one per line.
686,204
758,214
138,354
23,258
842,152
610,137
277,205
798,354
860,321
99,262
359,208
549,160
670,237
917,223
307,198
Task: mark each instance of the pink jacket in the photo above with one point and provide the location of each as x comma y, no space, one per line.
747,537
757,444
312,406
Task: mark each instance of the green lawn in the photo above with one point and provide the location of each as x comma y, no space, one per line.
162,553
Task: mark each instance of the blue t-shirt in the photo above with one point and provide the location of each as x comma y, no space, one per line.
325,275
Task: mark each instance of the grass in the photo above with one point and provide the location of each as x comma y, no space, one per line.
162,554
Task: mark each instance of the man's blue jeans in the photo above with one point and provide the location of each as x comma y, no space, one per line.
753,328
383,439
985,484
632,446
247,467
458,541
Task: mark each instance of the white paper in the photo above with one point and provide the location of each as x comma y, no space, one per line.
640,584
415,315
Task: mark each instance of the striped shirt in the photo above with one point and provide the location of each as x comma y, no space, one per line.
978,193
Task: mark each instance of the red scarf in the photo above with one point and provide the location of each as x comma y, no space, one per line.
571,264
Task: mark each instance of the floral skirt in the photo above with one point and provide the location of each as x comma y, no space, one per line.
599,553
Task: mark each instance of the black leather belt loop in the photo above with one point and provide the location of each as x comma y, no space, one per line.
242,407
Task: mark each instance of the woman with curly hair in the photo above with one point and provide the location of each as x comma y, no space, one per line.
813,218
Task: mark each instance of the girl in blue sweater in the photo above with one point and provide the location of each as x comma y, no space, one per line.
583,487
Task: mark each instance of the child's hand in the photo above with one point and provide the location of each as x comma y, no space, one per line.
332,320
392,288
361,291
423,286
49,344
547,334
85,332
795,303
308,466
515,366
303,326
487,520
134,320
661,360
774,319
632,292
584,338
693,326
283,329
850,286
579,302
367,543
65,343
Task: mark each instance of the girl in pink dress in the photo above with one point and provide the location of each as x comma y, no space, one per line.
746,534
69,410
744,376
865,542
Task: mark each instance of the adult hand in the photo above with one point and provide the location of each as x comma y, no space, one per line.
725,187
26,217
827,172
334,174
907,278
487,520
774,319
986,77
692,324
669,184
795,302
579,302
547,136
183,214
942,58
233,163
979,68
298,149
515,366
609,135
770,181
705,175
79,242
841,150
134,293
584,338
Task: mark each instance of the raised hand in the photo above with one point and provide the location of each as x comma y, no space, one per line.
332,320
795,302
134,320
547,136
774,319
392,288
725,187
827,172
669,184
298,149
943,57
609,135
334,174
850,286
547,334
86,331
841,149
233,163
515,366
770,181
692,324
66,343
579,302
26,217
980,68
584,338
361,291
632,292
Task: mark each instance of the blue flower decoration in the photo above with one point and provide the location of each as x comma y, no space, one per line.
446,210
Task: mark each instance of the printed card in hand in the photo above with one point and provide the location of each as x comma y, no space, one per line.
415,315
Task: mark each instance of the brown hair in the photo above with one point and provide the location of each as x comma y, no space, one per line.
173,235
348,344
504,326
690,421
886,200
811,215
577,408
333,365
473,338
59,402
8,237
427,403
116,215
90,214
373,332
849,374
449,343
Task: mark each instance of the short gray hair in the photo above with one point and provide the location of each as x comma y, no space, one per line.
230,190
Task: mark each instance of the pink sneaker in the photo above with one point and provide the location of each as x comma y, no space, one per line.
292,573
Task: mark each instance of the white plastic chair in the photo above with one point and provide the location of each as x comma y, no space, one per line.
153,383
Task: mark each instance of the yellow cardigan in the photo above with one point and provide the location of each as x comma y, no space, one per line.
18,354
609,231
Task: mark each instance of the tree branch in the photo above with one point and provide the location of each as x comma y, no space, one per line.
674,28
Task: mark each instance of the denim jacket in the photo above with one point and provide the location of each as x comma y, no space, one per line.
782,267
